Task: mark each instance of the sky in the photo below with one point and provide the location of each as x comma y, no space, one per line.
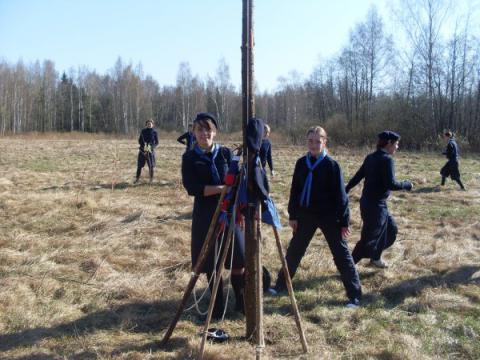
160,34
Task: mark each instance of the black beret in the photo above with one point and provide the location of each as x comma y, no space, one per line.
389,135
206,116
254,134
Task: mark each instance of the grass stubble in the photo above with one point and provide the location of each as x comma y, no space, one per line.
92,267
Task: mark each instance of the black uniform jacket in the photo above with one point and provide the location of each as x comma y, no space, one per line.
378,169
266,153
328,197
148,136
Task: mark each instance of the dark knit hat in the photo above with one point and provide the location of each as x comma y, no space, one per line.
388,135
206,116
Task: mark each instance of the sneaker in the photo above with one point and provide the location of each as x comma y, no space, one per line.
379,264
353,304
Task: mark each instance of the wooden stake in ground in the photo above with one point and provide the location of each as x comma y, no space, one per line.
288,281
248,112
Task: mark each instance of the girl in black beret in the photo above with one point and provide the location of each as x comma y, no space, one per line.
451,167
379,229
203,171
148,141
318,200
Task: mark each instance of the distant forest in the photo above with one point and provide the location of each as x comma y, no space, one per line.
419,89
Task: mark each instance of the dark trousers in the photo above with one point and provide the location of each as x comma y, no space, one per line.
149,159
379,231
307,225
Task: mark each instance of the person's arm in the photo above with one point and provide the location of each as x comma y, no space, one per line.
189,177
388,173
155,139
342,210
210,190
182,137
269,157
140,141
295,192
356,178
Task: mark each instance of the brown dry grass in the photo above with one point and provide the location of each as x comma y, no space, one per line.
92,267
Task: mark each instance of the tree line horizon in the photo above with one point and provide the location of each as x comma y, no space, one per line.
419,90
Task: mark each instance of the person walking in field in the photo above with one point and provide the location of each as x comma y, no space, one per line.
203,171
451,168
266,150
318,200
188,138
379,230
148,141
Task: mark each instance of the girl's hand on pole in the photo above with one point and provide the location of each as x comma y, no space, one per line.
293,224
345,232
241,222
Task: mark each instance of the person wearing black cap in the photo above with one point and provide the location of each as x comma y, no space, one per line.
379,230
266,150
148,141
318,200
188,138
451,167
203,171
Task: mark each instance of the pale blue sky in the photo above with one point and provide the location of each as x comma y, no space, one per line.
289,35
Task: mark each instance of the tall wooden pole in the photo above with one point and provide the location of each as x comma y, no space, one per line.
248,111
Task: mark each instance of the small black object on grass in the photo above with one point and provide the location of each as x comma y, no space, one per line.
217,335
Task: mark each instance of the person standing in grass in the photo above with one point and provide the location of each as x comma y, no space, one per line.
188,138
148,141
266,150
451,167
318,200
203,171
379,230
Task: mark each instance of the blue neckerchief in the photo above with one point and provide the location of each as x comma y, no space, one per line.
213,167
307,188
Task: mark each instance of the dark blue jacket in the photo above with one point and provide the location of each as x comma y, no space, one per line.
266,153
328,197
148,136
378,169
451,152
196,174
187,139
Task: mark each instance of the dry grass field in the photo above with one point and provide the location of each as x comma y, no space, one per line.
92,267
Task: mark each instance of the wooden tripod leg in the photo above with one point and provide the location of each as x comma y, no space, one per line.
206,248
228,241
288,281
216,285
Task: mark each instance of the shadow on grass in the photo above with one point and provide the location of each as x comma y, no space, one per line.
179,217
126,185
141,317
426,190
396,294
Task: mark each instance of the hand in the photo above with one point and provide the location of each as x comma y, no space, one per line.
345,232
293,224
241,222
409,185
272,173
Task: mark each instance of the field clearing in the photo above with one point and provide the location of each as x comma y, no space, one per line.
93,267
